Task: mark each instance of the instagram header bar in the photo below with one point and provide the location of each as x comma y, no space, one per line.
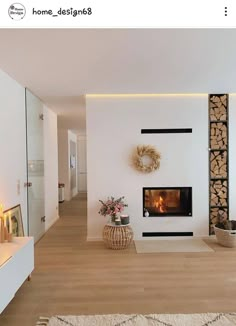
118,14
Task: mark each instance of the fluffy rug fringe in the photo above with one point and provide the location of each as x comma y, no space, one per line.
204,319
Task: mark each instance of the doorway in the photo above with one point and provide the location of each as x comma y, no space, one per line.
35,165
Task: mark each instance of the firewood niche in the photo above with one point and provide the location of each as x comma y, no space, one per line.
218,157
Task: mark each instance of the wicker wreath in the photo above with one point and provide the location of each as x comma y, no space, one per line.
152,153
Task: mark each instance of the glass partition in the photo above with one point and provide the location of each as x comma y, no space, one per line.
35,166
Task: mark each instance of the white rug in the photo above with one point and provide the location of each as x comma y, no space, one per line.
183,245
209,319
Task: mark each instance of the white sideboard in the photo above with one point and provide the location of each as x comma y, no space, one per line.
16,264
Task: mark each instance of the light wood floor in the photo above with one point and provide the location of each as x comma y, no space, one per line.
72,276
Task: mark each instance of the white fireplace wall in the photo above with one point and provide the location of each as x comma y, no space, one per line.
114,129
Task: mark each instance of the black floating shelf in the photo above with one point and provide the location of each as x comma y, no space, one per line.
216,121
218,206
218,178
217,150
214,95
167,131
167,234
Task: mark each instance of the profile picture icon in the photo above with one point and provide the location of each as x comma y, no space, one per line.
16,11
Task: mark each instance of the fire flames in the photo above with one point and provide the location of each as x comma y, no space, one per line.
161,205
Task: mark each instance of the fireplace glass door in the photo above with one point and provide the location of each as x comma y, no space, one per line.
168,201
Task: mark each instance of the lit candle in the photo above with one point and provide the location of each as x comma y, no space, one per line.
10,223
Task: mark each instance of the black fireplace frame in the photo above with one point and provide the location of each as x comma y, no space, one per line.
188,211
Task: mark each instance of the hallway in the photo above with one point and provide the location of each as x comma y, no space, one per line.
73,276
70,274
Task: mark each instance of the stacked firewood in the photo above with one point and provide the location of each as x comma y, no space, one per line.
218,135
218,164
219,193
218,159
218,108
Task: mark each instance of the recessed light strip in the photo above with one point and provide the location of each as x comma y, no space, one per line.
141,95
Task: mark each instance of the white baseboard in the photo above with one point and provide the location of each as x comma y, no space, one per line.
51,223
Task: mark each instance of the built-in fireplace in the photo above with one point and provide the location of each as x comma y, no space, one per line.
167,201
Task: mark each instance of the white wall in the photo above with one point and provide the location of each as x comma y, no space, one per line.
72,137
114,129
63,163
13,167
82,163
50,167
232,157
64,138
12,144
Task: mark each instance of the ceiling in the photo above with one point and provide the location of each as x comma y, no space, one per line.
60,65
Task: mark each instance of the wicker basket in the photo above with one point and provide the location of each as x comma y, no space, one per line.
117,236
226,238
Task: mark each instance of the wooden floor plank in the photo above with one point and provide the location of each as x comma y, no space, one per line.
73,276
